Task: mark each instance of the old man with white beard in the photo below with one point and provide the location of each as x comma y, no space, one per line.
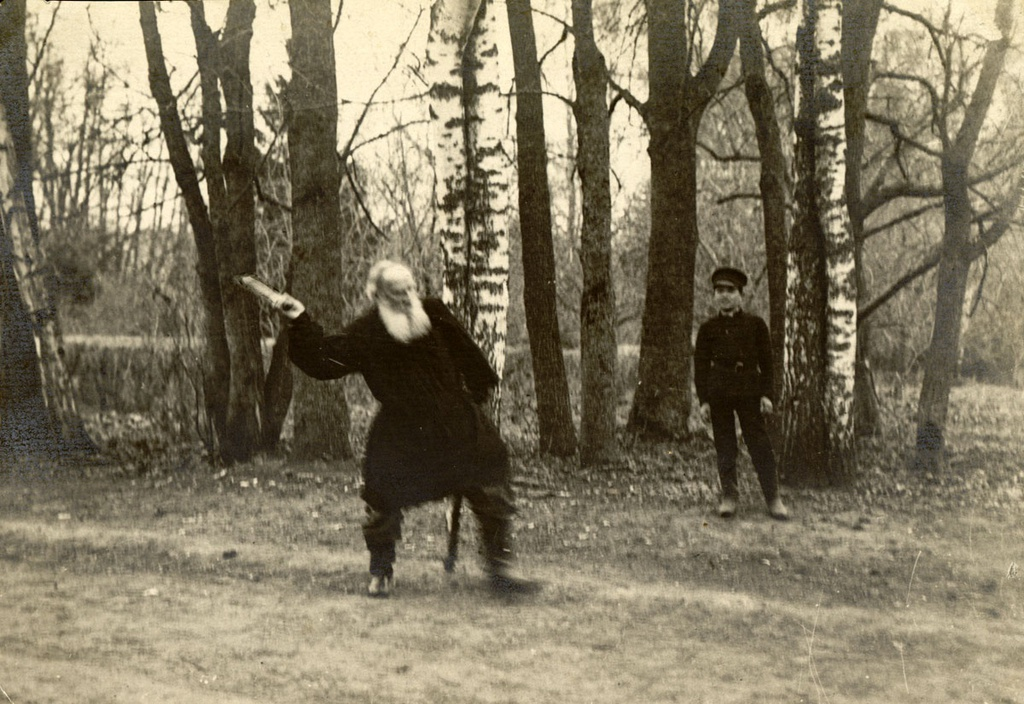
430,438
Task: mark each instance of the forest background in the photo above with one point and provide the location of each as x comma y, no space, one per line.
120,246
175,526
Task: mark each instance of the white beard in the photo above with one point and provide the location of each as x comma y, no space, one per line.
405,328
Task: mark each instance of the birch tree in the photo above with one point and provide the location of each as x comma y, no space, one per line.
38,412
818,445
472,171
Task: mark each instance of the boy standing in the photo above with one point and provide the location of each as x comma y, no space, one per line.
733,376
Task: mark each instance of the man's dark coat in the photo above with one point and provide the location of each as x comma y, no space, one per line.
430,438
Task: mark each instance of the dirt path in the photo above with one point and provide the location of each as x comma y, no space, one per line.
131,595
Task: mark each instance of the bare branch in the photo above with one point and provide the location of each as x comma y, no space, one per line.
936,101
366,108
897,134
904,217
337,17
41,49
267,198
929,263
884,196
986,239
772,8
626,96
558,96
738,196
362,206
382,135
726,158
561,40
934,32
566,27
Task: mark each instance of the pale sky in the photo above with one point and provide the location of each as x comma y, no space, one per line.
366,43
369,37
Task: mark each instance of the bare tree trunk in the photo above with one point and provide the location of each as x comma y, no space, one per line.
661,404
31,373
557,434
860,22
774,182
232,212
954,266
598,349
241,310
320,410
24,421
217,369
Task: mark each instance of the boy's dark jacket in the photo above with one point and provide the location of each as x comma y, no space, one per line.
733,358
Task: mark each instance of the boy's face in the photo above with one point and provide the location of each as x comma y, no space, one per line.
727,297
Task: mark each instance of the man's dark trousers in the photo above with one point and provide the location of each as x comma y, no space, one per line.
755,436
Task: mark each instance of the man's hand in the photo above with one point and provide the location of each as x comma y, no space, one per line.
766,406
289,306
705,412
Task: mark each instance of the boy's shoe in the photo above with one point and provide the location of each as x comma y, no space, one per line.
778,510
727,509
380,586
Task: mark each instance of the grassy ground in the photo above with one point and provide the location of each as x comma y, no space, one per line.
199,585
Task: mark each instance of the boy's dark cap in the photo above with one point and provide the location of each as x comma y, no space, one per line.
730,275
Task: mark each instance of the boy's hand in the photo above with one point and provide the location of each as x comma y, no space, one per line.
766,406
705,412
289,306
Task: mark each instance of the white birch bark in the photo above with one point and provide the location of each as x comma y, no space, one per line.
820,350
472,170
841,311
490,176
450,22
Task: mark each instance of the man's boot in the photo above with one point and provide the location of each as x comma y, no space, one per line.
498,559
382,529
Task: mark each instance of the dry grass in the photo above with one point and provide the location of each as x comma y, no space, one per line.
189,584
